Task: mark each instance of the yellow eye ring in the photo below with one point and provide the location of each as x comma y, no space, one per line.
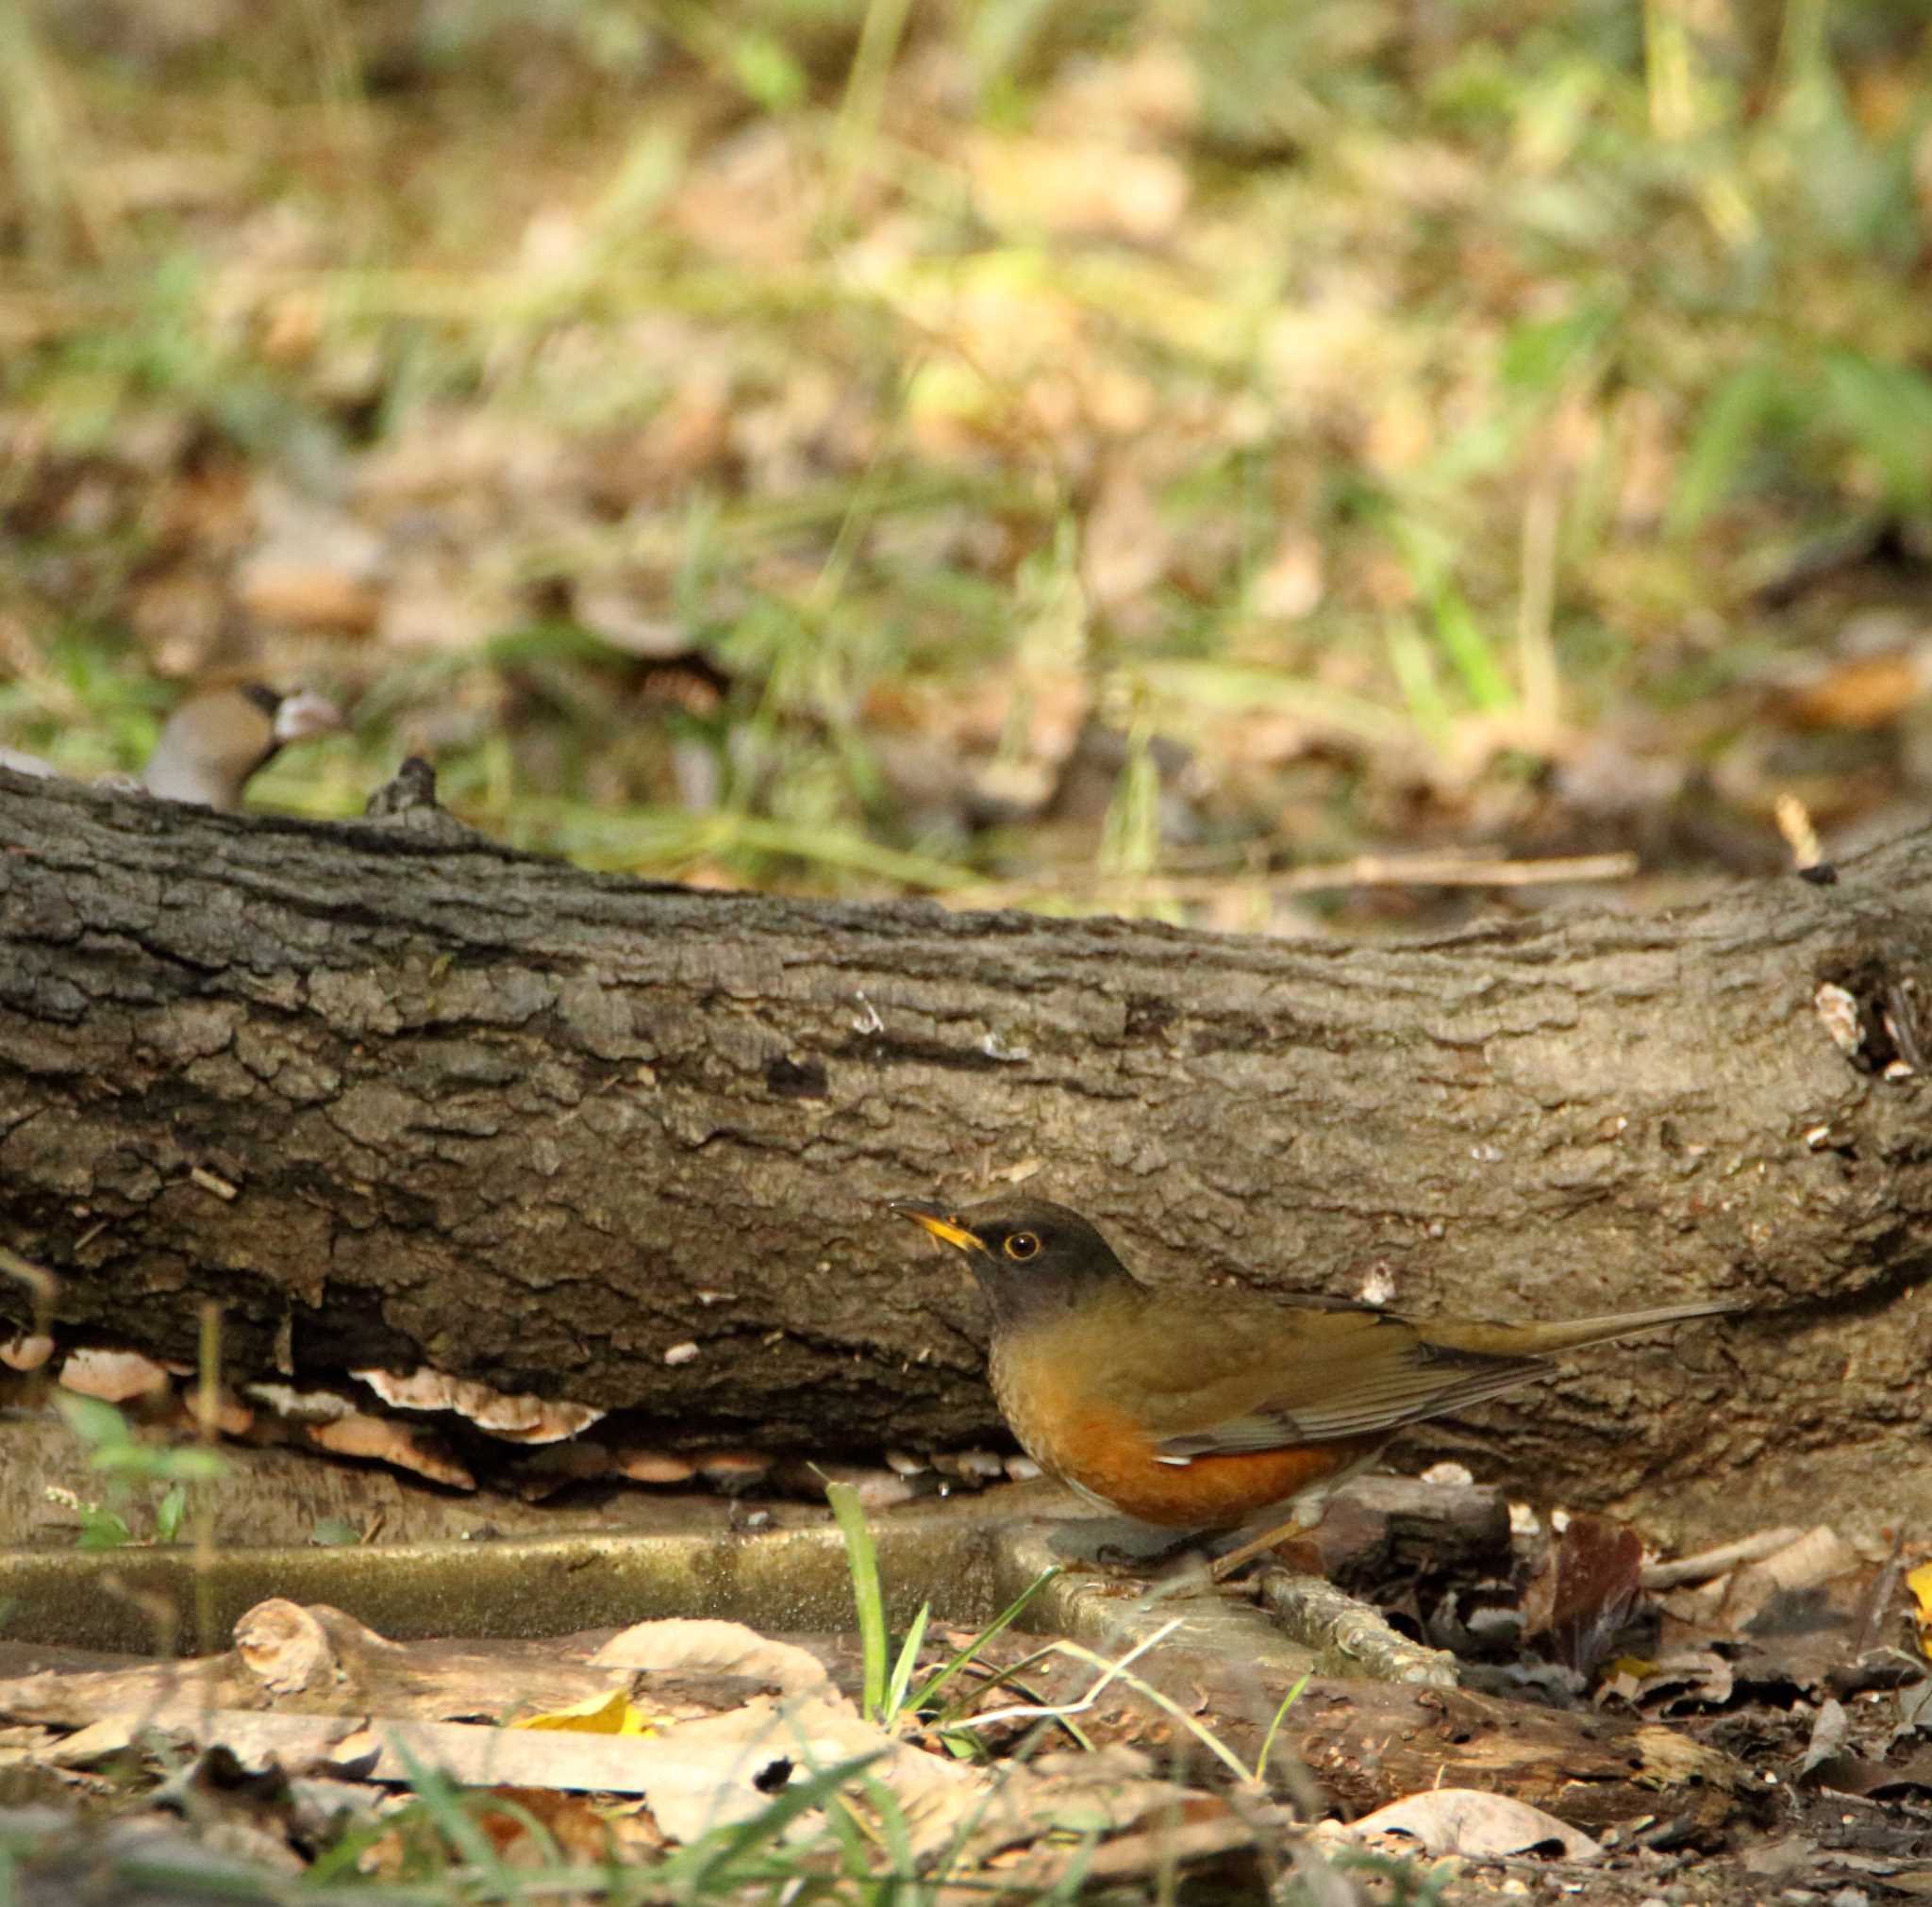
1023,1246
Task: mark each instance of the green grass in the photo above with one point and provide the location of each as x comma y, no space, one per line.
1547,335
887,1695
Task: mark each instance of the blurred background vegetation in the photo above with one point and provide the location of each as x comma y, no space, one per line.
1126,453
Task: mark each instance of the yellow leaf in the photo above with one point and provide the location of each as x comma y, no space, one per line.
1635,1666
1919,1583
612,1714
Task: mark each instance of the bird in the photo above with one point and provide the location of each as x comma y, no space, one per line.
1199,1410
214,743
222,734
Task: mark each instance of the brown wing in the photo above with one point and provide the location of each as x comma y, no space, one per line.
1242,1374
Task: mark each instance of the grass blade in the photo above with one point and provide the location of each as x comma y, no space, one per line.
862,1561
901,1668
1005,1619
1461,636
1288,1702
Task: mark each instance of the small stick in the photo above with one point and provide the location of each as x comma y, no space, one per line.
1881,1595
1708,1563
1364,870
1794,824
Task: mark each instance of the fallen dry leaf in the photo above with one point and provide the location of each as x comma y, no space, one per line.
701,1646
1587,1586
1817,1556
582,1833
284,1647
308,596
612,1714
1483,1826
1830,1730
1919,1582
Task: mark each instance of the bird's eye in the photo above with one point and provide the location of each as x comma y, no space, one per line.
1022,1246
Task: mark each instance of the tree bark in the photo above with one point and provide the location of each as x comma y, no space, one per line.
392,1094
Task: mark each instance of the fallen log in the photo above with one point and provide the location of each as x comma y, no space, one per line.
391,1094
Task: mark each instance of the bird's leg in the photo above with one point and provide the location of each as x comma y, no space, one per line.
1226,1566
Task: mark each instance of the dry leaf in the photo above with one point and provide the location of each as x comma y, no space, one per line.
612,1714
1125,544
582,1833
1830,1730
1817,1556
1919,1583
1587,1587
1483,1826
308,596
285,1646
698,1646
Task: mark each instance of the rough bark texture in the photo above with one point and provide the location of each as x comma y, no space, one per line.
540,1127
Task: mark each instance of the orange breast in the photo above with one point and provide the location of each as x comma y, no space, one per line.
1101,1449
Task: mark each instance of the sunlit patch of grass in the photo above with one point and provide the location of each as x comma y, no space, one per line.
1489,322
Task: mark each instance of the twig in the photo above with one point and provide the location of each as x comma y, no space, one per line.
1364,870
1111,1671
1453,870
1881,1594
1028,1712
1794,824
1708,1563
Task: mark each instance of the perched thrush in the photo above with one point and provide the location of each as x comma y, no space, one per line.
1197,1410
214,741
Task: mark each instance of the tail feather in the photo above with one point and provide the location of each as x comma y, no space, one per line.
1532,1340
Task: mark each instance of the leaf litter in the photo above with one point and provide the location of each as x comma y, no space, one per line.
668,1735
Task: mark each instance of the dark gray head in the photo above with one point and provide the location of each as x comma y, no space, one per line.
1029,1255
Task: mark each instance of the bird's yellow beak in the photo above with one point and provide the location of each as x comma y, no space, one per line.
936,1221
